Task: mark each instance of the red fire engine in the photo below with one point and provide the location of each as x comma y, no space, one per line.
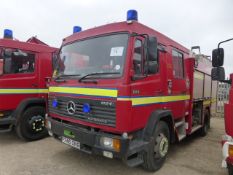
124,90
218,73
24,68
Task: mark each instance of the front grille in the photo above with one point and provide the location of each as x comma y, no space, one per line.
102,112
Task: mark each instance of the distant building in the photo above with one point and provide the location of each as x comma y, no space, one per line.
223,96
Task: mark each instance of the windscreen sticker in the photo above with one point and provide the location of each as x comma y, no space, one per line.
117,51
117,67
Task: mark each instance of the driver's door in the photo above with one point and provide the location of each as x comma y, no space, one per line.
18,80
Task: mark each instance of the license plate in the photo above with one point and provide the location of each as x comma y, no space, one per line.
71,142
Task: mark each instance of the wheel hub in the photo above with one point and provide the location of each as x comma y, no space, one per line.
161,146
37,123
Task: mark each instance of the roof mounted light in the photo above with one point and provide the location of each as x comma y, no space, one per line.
8,34
132,15
77,29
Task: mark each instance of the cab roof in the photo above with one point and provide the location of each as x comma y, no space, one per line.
134,27
32,44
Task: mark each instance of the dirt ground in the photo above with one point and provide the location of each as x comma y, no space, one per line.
193,156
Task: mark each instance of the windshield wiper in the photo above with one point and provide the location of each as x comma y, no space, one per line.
57,79
96,73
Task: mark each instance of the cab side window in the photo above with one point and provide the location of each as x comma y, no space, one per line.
138,57
178,64
17,62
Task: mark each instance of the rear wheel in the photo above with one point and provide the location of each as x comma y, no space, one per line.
205,128
31,125
157,153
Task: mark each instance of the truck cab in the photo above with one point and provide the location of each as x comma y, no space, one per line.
218,74
25,68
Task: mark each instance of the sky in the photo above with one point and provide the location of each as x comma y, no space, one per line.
188,22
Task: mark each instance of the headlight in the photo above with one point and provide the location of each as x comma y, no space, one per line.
110,143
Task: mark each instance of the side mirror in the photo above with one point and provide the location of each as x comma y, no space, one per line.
152,46
218,73
151,67
217,57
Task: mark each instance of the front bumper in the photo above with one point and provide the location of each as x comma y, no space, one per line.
88,138
130,151
6,123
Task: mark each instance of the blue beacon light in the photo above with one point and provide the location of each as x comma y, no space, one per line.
86,108
8,34
77,29
132,15
55,103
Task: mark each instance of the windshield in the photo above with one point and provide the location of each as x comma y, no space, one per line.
95,55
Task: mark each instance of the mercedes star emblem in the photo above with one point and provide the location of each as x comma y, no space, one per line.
71,107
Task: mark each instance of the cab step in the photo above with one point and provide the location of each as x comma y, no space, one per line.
4,130
195,128
135,161
135,153
137,146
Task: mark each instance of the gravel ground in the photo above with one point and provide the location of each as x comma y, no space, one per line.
193,156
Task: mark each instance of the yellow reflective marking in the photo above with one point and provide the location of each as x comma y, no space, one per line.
85,91
23,91
113,93
214,100
151,100
207,102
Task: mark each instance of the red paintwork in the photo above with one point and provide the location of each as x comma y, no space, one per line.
128,118
229,160
228,109
43,68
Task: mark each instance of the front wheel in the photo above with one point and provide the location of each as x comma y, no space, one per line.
157,153
31,125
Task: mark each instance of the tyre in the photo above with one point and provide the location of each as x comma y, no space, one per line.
156,155
31,125
205,128
230,169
